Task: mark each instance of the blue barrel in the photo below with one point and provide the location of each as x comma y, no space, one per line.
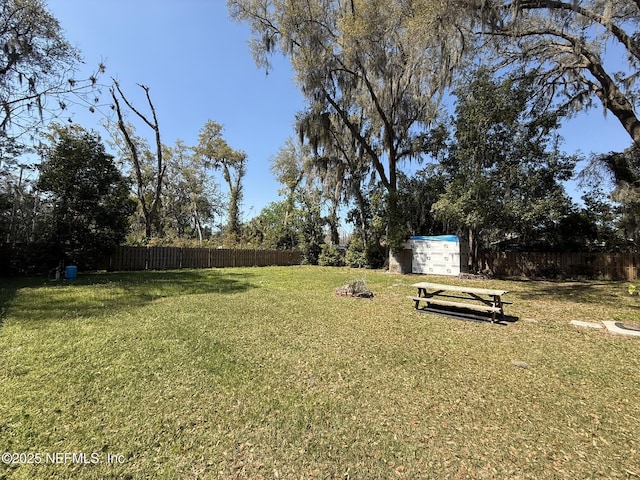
71,272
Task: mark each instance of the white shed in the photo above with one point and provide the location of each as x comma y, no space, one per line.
437,255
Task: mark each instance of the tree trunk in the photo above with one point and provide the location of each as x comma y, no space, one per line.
149,212
362,207
147,227
197,225
233,222
235,195
394,234
333,225
473,250
613,99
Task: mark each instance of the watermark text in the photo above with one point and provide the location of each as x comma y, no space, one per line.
61,458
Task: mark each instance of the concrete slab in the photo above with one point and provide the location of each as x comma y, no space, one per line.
583,324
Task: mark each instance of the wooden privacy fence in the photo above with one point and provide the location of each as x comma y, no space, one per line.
166,258
605,266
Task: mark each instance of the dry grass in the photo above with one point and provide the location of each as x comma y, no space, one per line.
265,373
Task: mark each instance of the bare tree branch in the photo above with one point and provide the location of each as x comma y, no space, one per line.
149,211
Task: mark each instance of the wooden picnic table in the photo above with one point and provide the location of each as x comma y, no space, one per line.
486,299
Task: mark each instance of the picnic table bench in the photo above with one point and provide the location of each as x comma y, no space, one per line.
486,299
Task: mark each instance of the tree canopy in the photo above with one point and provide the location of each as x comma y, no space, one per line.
214,150
376,67
87,196
504,169
36,68
579,51
375,143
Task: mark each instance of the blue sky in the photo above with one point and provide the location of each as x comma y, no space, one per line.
196,61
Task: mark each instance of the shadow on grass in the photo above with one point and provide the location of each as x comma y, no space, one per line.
607,293
469,315
9,286
173,283
105,294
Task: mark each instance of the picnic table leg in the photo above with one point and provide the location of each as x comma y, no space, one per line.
497,302
422,293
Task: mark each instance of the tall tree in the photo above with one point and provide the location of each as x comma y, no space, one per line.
289,166
13,189
310,223
150,204
370,63
88,197
192,199
294,163
213,148
504,167
276,226
21,205
339,163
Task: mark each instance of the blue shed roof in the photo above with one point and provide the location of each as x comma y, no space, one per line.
437,238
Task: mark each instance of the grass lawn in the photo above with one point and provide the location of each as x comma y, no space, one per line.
265,373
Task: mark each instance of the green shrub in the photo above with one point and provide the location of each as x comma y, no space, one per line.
330,256
356,256
359,256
